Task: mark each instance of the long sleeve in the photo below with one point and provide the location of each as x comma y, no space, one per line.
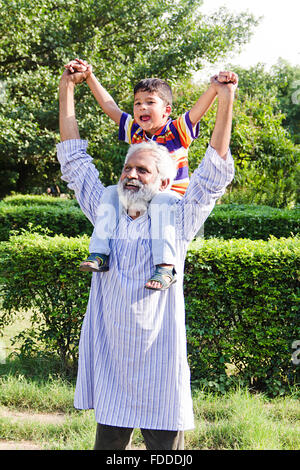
208,183
81,175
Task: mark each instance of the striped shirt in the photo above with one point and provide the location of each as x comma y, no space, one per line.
177,135
133,368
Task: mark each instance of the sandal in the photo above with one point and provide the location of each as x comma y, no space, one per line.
165,276
96,262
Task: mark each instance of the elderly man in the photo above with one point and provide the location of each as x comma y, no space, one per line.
133,368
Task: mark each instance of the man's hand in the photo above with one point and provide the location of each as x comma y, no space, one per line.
225,81
225,84
79,69
228,77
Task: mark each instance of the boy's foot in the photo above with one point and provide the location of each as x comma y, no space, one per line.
96,262
162,278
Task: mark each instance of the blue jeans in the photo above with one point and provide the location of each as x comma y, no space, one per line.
162,215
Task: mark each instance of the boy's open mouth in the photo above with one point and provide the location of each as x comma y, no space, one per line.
145,118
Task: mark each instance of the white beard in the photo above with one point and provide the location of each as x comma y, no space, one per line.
137,201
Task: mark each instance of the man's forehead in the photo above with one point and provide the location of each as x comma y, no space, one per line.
142,155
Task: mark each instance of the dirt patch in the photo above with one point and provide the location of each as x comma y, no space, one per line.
13,416
18,445
48,418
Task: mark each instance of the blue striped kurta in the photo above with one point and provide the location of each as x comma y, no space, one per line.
133,368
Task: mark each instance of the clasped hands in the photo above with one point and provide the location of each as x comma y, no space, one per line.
79,70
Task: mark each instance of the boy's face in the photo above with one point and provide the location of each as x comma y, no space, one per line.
150,111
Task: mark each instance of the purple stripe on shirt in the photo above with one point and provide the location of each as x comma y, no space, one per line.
182,173
121,126
190,126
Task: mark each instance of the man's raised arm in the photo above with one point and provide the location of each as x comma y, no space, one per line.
76,165
220,139
67,120
215,171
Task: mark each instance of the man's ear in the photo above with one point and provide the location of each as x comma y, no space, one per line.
164,184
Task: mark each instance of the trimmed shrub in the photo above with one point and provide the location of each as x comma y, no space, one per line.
251,221
40,200
241,304
243,312
63,216
65,219
40,274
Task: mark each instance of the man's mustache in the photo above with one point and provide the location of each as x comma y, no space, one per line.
132,182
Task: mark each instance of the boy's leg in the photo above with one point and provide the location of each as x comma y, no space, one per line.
163,233
107,216
163,237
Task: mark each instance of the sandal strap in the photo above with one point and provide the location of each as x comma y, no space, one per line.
161,272
98,257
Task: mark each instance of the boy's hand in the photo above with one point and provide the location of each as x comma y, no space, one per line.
79,66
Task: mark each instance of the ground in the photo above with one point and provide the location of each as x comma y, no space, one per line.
54,418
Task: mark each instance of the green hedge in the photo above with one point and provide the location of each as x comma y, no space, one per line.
40,200
242,301
63,219
251,221
40,273
241,304
63,216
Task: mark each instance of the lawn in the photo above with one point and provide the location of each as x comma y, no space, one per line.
40,411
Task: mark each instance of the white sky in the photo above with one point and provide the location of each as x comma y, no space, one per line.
278,34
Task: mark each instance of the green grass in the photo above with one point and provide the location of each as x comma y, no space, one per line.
76,433
243,421
54,395
237,420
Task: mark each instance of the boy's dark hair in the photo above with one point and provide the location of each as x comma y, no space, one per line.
156,85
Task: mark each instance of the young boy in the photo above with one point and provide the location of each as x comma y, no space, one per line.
151,121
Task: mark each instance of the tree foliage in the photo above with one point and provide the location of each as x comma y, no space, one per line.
287,78
266,135
264,150
280,86
125,41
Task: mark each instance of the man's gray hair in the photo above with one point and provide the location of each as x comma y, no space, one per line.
165,164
